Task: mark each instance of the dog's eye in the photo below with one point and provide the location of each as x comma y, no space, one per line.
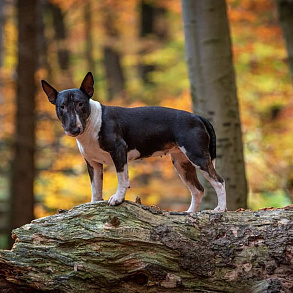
80,104
62,107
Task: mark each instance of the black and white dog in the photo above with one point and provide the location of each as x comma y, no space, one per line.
115,135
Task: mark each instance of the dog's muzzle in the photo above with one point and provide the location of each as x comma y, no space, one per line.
73,131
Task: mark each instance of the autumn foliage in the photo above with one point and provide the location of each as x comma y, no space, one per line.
264,91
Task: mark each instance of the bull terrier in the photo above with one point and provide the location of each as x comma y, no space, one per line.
116,135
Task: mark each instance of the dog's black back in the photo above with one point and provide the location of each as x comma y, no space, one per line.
149,129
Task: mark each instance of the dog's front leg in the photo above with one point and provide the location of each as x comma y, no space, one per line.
119,156
96,176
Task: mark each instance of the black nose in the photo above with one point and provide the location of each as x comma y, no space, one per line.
75,131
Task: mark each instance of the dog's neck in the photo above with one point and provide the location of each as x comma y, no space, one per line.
94,122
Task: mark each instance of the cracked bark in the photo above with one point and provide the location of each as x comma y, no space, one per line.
134,248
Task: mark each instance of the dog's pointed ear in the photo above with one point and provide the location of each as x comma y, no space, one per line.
50,92
87,86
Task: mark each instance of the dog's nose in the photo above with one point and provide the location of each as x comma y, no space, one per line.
75,131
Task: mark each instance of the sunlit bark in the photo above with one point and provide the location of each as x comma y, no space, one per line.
213,92
134,248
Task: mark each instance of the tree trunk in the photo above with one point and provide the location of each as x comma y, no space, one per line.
23,167
114,72
152,24
60,36
285,9
2,2
112,57
88,38
42,41
134,248
213,92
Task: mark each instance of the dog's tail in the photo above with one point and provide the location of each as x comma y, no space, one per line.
213,142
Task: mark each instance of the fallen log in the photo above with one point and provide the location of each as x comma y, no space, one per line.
134,248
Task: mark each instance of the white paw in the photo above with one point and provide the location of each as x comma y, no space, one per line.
220,209
115,199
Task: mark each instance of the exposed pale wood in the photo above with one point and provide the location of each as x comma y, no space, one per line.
134,248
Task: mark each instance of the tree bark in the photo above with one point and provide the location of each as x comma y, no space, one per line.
42,40
2,3
285,10
150,17
134,248
114,72
112,57
213,92
60,36
23,167
89,38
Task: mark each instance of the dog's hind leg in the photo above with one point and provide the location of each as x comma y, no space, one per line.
196,148
187,173
204,164
209,173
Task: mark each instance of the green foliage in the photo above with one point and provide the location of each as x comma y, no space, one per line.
264,92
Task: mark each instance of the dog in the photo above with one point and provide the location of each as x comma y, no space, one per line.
115,135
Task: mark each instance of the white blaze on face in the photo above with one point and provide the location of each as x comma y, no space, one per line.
78,122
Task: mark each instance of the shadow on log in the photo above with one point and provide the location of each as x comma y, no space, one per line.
134,248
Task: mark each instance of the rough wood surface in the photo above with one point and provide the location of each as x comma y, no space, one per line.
134,248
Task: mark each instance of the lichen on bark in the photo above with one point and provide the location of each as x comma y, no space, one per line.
134,248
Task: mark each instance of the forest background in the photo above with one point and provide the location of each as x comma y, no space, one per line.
137,62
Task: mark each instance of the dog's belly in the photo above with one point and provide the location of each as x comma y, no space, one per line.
93,153
135,154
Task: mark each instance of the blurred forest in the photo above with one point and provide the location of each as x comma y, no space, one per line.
135,50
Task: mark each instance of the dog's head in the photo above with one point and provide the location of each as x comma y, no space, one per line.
72,106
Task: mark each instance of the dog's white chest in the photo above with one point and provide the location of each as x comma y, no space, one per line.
88,143
93,153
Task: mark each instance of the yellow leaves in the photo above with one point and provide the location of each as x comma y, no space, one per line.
60,191
182,102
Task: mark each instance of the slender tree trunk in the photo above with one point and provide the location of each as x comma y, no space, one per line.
213,92
42,41
23,168
285,9
114,72
60,36
2,2
89,38
152,24
112,58
132,248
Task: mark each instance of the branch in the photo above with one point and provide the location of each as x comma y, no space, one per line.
134,248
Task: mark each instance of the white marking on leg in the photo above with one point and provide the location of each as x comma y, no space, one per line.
218,186
123,184
97,183
196,197
220,190
196,194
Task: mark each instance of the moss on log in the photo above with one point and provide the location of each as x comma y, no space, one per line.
134,248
